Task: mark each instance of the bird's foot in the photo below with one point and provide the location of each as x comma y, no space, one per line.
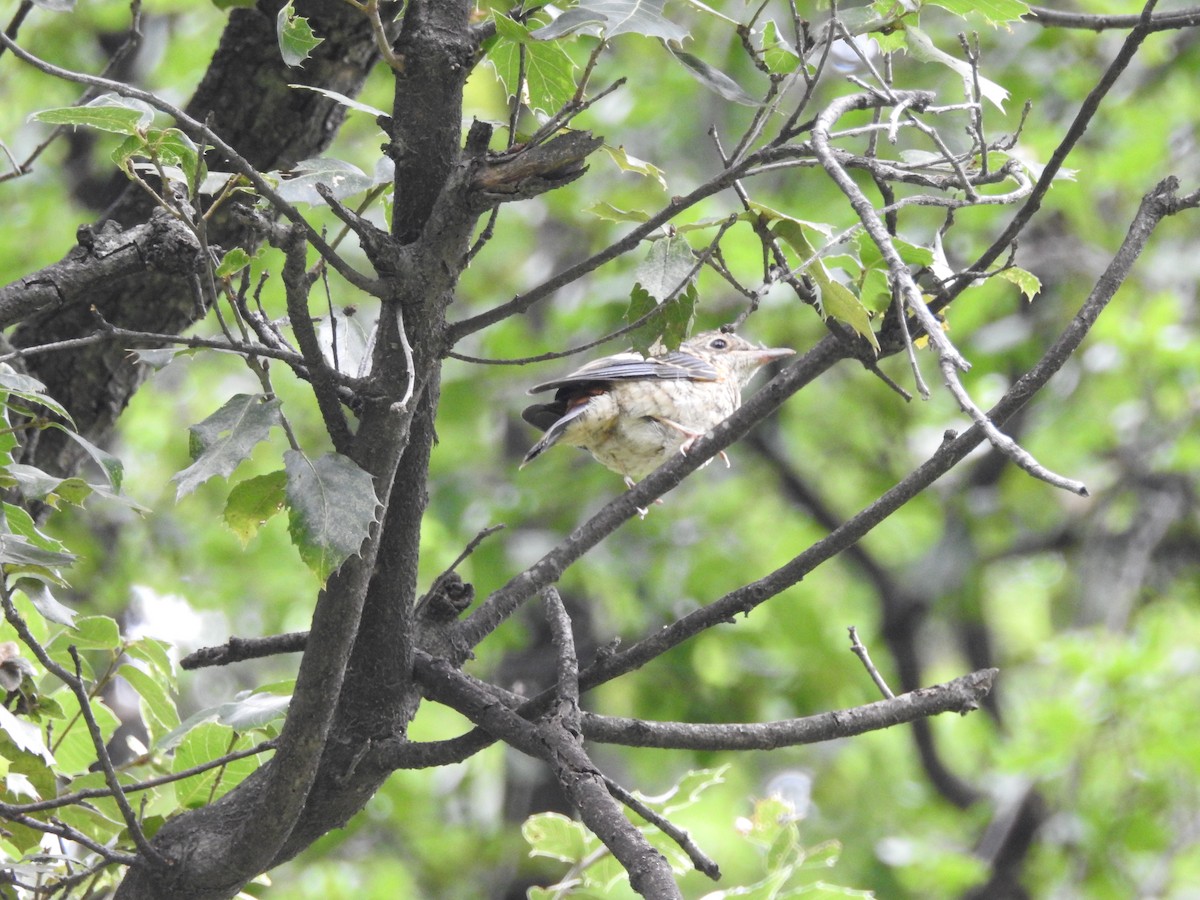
686,446
641,511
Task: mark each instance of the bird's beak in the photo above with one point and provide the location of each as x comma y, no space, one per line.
766,354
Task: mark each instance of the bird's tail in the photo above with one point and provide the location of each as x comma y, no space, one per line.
551,417
549,439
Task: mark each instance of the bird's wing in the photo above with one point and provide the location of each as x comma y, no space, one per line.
674,365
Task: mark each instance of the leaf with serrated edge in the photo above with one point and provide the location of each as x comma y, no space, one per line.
45,602
296,38
108,112
629,163
605,210
158,709
556,836
549,70
331,506
995,12
226,438
25,736
113,468
1029,283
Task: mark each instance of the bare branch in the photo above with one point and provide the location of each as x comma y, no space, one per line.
1167,21
962,695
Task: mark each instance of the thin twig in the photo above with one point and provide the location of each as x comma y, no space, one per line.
859,649
148,784
1001,441
703,863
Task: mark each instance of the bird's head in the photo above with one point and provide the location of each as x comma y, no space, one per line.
733,354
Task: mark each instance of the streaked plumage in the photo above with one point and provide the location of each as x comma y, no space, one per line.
633,413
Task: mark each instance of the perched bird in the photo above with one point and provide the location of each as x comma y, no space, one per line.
632,413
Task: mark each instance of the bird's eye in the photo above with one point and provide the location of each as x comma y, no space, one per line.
718,343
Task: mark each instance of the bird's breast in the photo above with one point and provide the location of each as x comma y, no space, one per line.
635,426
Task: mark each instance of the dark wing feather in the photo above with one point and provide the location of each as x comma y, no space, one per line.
553,418
675,365
543,415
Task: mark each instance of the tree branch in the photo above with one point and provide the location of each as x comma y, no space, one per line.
962,695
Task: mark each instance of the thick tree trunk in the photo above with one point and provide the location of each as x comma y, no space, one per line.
246,93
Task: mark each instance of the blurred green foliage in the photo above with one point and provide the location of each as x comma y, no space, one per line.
1096,710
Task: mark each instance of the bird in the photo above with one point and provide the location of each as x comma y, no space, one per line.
633,412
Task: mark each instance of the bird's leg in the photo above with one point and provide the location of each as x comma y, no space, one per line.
692,437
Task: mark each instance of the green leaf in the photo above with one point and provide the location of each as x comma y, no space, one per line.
92,633
73,747
331,506
342,178
20,551
669,327
157,707
629,163
1029,283
688,790
233,262
713,78
173,151
113,468
833,297
296,38
921,47
549,69
16,384
605,210
995,12
780,57
641,304
611,18
155,654
222,441
889,41
667,268
108,112
45,602
253,501
25,736
35,484
204,743
912,254
556,836
18,521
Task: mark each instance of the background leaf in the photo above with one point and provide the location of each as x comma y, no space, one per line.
331,506
225,439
